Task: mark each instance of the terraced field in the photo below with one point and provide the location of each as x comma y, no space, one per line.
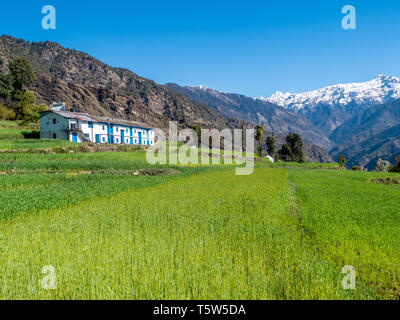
112,229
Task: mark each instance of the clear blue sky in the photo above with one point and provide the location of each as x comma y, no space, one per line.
248,47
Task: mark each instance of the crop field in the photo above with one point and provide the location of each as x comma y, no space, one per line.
114,227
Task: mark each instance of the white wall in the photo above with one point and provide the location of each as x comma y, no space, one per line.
62,125
102,131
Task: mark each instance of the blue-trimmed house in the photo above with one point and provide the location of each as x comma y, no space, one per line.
81,127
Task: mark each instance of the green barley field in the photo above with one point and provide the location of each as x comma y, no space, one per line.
192,232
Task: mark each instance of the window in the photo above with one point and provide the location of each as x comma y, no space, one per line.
54,121
135,140
117,140
116,129
54,136
104,139
104,128
127,140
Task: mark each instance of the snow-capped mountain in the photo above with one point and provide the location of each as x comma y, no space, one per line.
359,120
329,107
274,118
379,90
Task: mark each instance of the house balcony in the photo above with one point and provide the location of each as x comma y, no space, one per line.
74,127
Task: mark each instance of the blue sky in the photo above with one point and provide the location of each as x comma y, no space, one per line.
248,47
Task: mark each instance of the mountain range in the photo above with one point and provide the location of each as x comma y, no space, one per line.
89,85
329,107
273,117
359,120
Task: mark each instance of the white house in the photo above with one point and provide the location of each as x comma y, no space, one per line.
81,127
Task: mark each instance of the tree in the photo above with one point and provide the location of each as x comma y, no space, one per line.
27,110
271,149
396,167
296,145
6,85
259,137
243,139
22,73
342,161
197,128
292,150
285,153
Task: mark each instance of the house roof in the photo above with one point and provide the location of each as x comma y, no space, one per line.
90,118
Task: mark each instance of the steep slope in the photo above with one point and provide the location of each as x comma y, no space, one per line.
274,118
331,106
373,134
92,86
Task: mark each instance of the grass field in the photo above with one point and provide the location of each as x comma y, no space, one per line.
200,233
11,130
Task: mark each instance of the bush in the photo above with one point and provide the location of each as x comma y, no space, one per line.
396,167
356,168
34,134
382,166
6,114
342,161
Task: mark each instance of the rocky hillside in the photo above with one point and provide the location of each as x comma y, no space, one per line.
373,134
94,87
91,86
272,117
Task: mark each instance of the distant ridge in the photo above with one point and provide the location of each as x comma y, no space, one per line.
327,108
272,117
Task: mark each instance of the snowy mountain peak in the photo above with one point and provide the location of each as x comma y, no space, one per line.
379,90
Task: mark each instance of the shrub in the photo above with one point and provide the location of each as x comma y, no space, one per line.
357,168
34,134
396,167
6,114
382,166
342,161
